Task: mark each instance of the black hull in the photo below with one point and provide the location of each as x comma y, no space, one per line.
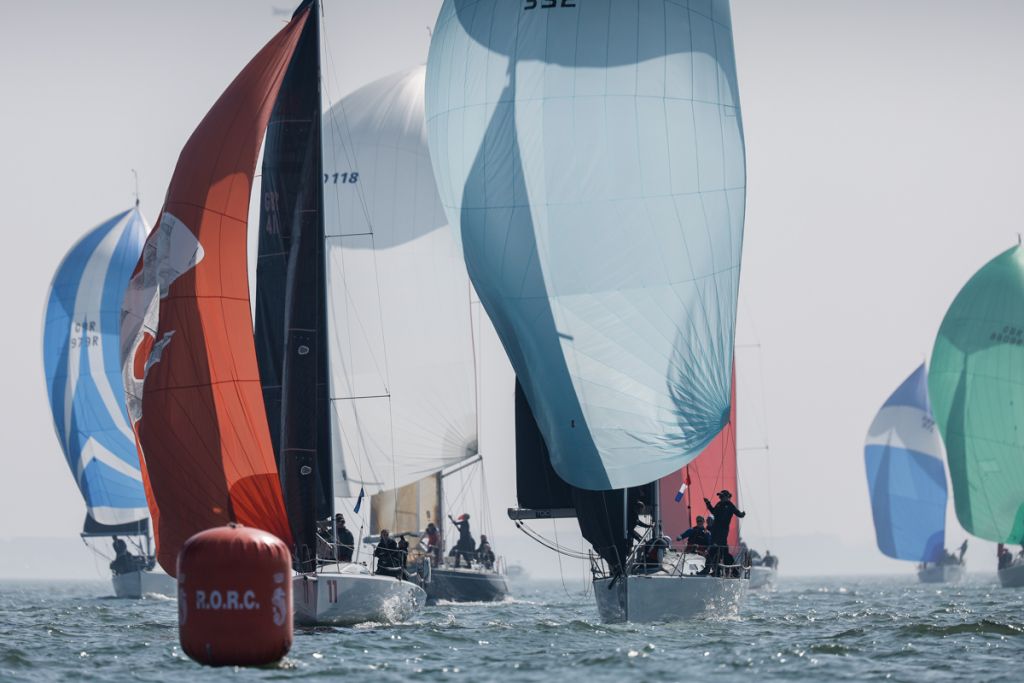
457,585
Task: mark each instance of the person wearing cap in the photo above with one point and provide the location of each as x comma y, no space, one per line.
724,510
697,538
344,542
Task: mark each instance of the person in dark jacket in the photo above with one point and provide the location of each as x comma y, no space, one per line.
466,546
344,542
386,552
697,538
724,510
484,553
403,551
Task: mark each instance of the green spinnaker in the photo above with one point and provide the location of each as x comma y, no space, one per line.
976,387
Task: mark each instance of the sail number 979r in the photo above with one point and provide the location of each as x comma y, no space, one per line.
548,4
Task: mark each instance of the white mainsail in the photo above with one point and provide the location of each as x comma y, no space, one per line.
403,389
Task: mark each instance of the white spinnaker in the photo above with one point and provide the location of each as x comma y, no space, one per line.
400,334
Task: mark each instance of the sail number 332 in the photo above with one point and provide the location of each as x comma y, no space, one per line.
548,4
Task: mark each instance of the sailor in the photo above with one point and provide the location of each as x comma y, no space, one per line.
723,511
386,553
634,521
1004,555
122,563
344,543
466,546
403,551
433,540
963,550
697,538
484,554
769,560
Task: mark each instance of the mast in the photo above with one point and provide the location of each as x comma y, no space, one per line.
290,296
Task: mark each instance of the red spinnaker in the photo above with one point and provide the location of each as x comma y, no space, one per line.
190,367
713,470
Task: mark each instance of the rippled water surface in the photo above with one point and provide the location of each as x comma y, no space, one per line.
808,629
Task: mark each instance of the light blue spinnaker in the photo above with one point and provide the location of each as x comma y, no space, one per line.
83,371
590,158
906,475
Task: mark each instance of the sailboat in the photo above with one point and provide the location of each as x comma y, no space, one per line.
907,482
83,381
976,387
590,158
403,328
232,424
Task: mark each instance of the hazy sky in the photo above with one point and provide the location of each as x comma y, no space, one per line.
884,149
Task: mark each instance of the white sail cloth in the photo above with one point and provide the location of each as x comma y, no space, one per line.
401,345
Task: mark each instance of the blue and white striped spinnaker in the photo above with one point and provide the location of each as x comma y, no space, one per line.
906,475
83,370
590,157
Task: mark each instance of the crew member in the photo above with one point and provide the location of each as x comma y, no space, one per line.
386,553
484,554
344,543
697,538
724,510
466,546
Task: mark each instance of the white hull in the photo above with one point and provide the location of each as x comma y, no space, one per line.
1012,576
661,597
347,594
946,573
763,577
142,583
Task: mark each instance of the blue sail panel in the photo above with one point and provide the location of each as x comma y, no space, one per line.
590,157
83,368
906,475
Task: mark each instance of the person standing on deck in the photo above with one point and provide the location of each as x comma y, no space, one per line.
466,547
724,510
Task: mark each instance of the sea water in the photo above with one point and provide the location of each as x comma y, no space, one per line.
808,629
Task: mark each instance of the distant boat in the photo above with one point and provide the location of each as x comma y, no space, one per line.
237,423
83,381
590,157
976,386
404,328
907,483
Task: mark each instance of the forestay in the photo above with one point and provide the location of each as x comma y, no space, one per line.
976,385
906,477
590,157
83,372
401,340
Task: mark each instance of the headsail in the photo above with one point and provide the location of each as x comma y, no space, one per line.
188,358
906,477
976,386
713,470
403,387
83,373
590,157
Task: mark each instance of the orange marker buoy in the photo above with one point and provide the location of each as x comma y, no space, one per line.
235,597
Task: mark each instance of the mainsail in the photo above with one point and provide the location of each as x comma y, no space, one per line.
976,386
713,470
83,373
590,158
291,311
401,342
188,357
906,477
